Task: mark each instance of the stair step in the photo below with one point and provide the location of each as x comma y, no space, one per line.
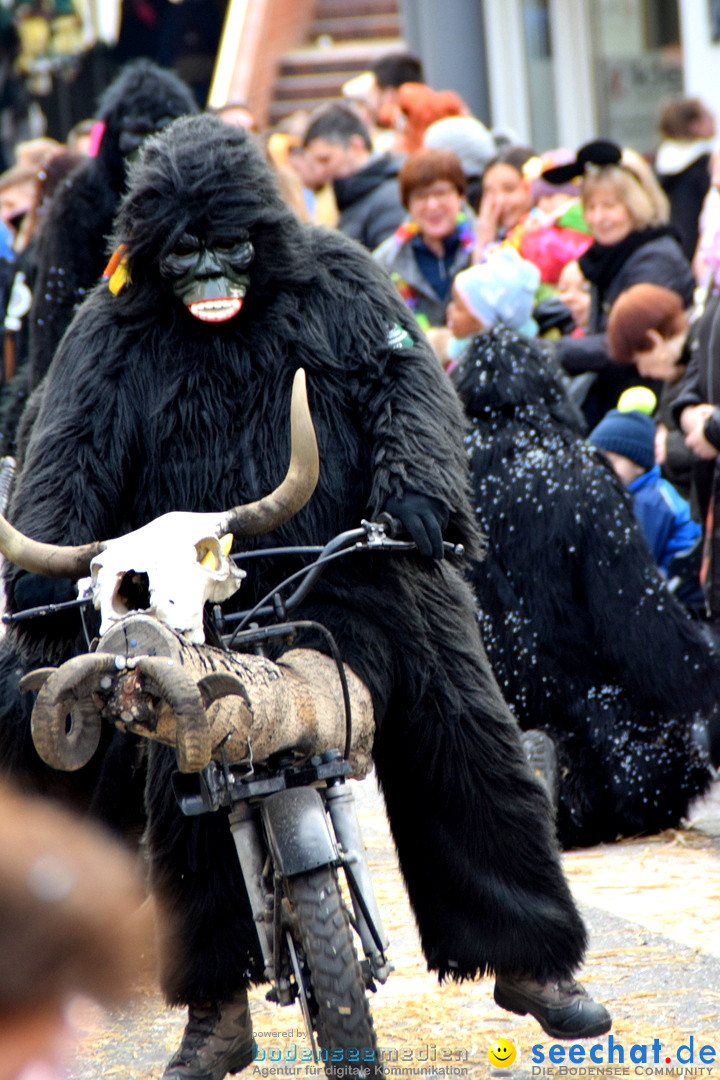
327,9
320,67
318,84
337,57
352,35
317,66
348,28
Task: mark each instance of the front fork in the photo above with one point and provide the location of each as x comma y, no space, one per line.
348,850
343,814
252,856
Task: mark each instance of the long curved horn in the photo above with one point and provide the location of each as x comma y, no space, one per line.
251,519
300,481
67,693
52,560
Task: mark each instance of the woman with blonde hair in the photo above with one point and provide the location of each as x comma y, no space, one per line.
627,214
635,184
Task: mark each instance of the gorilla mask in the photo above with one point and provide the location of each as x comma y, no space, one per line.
134,129
142,100
209,277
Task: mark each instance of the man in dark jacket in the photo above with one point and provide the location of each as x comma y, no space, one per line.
366,184
683,165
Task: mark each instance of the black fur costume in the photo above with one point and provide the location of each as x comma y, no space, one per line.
147,410
582,633
73,251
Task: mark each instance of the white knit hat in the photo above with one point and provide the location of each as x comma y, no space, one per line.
467,137
501,290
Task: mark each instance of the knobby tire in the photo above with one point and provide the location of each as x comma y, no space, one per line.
343,1020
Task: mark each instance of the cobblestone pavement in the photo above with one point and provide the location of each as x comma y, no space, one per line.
652,909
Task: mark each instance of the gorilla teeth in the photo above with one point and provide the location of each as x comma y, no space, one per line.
215,310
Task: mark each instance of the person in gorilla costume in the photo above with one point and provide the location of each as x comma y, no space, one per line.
143,99
171,391
584,637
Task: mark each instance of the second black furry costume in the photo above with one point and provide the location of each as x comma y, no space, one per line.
583,635
148,410
72,252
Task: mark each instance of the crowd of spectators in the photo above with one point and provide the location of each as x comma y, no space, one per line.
433,192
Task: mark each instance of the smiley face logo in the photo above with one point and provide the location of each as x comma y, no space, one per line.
502,1053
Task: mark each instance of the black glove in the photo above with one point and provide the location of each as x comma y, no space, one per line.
35,590
424,517
552,314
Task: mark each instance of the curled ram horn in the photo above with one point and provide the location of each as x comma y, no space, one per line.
250,519
166,680
34,680
65,723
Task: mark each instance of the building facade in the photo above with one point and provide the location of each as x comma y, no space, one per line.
559,72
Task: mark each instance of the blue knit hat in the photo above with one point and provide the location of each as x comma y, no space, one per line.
631,434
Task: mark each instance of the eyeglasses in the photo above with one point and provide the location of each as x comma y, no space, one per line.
437,192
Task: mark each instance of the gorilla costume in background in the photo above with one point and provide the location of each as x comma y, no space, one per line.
156,403
584,637
143,99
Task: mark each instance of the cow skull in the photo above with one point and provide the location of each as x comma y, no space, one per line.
171,566
168,568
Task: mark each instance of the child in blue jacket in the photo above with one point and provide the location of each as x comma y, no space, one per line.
627,438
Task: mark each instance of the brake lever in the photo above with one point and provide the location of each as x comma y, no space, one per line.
383,532
392,525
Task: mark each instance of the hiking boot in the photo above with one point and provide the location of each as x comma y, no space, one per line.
217,1040
541,755
563,1009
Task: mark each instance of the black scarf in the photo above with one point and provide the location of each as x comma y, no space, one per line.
601,263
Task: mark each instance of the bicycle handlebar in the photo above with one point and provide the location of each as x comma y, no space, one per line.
370,536
377,535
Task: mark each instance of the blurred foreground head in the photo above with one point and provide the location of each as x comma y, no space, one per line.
69,924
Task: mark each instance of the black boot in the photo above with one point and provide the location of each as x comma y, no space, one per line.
563,1008
541,755
217,1040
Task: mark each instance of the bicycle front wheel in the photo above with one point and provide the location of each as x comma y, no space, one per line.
338,1000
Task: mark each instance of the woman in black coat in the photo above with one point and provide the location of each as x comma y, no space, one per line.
627,214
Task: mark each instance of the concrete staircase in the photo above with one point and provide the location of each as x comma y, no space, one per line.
345,37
